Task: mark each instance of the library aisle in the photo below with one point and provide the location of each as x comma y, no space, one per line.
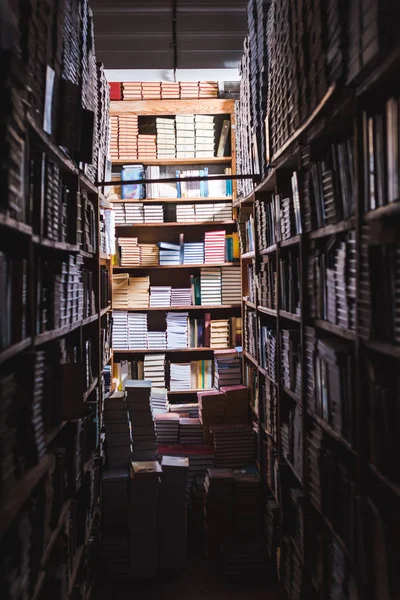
200,301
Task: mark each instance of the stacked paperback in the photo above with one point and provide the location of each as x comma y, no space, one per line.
180,377
177,330
134,212
190,431
148,255
158,401
160,296
231,285
214,246
167,428
137,331
170,254
139,291
147,147
181,297
128,133
154,371
233,445
132,90
153,213
141,419
193,253
156,340
120,290
118,446
165,138
204,136
228,368
210,286
220,333
130,252
185,138
120,330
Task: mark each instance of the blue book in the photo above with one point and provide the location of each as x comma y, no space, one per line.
178,185
134,190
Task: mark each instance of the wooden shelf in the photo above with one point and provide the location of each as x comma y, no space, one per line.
53,433
38,585
272,312
48,336
203,307
15,349
184,392
328,429
290,316
383,212
56,533
201,106
56,153
171,200
388,66
105,257
250,358
77,563
90,389
248,255
249,304
167,350
249,199
105,310
87,184
165,225
293,395
293,241
90,319
268,250
54,245
18,493
197,266
385,348
344,333
268,183
332,229
288,464
88,254
394,487
14,225
212,160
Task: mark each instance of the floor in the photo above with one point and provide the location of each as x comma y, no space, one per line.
196,583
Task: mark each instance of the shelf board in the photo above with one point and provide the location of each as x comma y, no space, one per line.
90,389
394,487
167,350
272,312
90,319
250,358
38,585
197,266
268,183
105,257
190,106
340,331
77,562
293,395
293,241
382,212
249,199
290,316
105,310
88,254
248,255
182,225
332,229
87,184
105,363
170,200
14,225
329,526
287,463
249,304
54,245
183,392
48,336
212,160
53,432
383,70
15,349
268,250
385,348
204,307
56,533
331,432
18,493
104,201
45,141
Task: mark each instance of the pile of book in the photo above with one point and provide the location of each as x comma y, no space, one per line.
166,140
193,253
160,296
186,409
233,445
180,376
151,90
156,340
114,519
164,90
149,255
177,330
227,364
130,252
137,330
204,136
211,286
189,90
114,137
190,431
147,147
291,360
128,136
158,398
139,291
170,254
198,374
214,246
153,213
167,428
141,419
181,297
231,285
185,138
170,90
131,90
154,371
118,447
220,333
120,330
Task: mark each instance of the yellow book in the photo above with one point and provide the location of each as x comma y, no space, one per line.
236,247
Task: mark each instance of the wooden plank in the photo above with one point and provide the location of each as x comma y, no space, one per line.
90,388
170,200
210,106
272,312
340,331
167,350
172,225
14,225
332,229
204,307
268,250
199,266
212,160
290,316
14,349
248,255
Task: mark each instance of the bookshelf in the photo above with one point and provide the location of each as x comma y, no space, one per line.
342,336
170,229
50,377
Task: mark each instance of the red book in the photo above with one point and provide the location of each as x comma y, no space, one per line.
115,91
207,330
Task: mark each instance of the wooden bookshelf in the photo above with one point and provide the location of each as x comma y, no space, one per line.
204,307
199,266
212,160
207,199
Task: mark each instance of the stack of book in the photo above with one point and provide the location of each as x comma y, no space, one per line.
134,213
130,252
154,371
180,377
177,330
214,246
128,134
189,410
149,255
166,142
231,285
185,139
172,513
233,445
114,519
222,211
120,213
210,286
151,90
114,138
291,360
181,297
267,283
170,90
204,136
120,330
211,411
227,368
190,431
250,331
147,147
137,331
141,419
189,90
195,189
160,296
170,254
185,213
236,403
208,89
193,253
132,90
156,340
204,213
139,291
158,399
153,189
167,428
145,481
118,448
220,333
153,213
120,290
268,351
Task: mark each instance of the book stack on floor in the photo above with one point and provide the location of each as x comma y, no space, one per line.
170,254
214,246
233,445
189,410
181,297
190,431
228,368
185,138
118,451
158,400
114,519
141,420
144,488
128,135
211,411
147,147
204,136
172,513
166,140
177,330
167,428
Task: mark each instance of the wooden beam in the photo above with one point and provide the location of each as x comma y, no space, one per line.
210,106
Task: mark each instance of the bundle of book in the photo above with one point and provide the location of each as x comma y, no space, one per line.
268,351
289,282
106,232
250,331
163,90
267,283
246,230
331,280
266,222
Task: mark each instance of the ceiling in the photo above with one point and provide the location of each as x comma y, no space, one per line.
132,34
